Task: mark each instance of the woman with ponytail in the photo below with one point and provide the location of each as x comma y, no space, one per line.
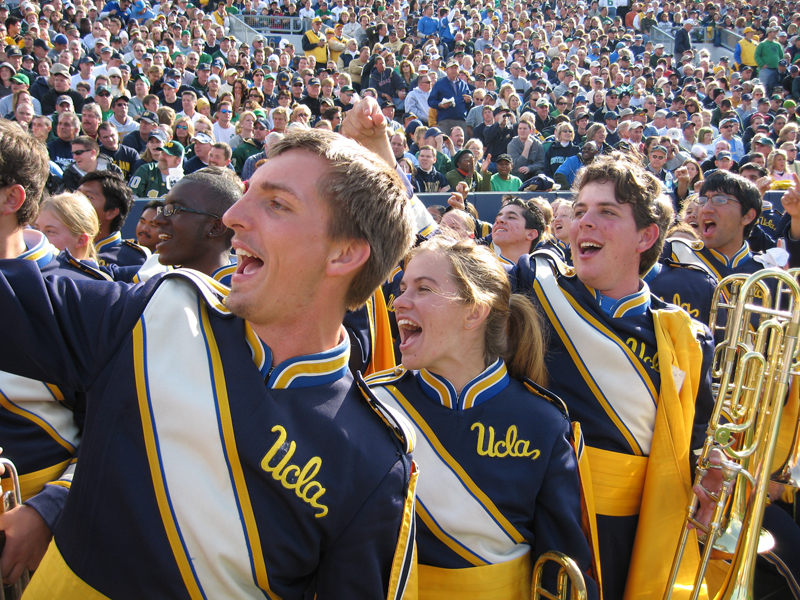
498,482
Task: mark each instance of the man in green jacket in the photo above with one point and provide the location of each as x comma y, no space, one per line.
252,146
768,54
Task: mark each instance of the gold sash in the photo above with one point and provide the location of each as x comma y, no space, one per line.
509,580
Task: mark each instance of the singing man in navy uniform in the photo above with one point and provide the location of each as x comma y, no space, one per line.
632,370
228,452
112,200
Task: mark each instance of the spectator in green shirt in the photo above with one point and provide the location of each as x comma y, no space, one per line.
503,180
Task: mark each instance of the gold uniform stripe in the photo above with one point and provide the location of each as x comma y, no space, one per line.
405,543
481,497
167,518
32,483
11,407
624,347
54,579
232,453
548,309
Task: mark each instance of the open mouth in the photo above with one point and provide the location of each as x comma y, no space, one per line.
709,227
162,239
589,249
247,263
409,332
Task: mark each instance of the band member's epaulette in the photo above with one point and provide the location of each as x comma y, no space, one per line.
399,425
86,268
556,260
695,245
133,244
549,396
680,265
386,376
212,291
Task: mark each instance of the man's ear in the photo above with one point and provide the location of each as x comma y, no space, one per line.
12,199
347,257
647,237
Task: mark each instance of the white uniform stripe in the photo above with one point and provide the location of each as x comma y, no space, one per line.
36,398
197,477
602,356
439,489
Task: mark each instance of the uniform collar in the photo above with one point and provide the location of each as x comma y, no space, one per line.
38,248
654,271
301,371
742,255
630,306
224,274
503,259
484,387
114,239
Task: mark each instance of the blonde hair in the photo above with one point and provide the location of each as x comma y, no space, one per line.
77,214
513,327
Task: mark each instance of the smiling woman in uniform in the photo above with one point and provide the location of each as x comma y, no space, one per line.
498,473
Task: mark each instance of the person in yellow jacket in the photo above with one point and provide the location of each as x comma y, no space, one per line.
314,43
337,43
745,51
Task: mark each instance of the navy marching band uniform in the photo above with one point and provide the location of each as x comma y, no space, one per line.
41,423
607,360
230,477
114,250
499,482
684,285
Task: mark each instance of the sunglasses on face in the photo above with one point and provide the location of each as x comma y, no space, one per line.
79,152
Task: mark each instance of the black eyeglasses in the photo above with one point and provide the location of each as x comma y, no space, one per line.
171,209
79,152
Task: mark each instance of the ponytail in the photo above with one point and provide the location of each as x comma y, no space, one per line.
527,342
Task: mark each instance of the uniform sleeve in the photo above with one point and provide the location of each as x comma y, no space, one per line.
64,331
557,520
359,562
704,405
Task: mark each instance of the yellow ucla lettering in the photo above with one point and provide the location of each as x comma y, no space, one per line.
676,300
510,446
292,477
640,350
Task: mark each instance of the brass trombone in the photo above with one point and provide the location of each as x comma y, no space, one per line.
568,572
754,365
12,499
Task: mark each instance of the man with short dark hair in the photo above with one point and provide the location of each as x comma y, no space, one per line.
87,159
123,156
112,201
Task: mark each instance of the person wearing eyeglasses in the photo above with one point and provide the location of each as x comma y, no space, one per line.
87,158
729,208
223,129
154,180
188,227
